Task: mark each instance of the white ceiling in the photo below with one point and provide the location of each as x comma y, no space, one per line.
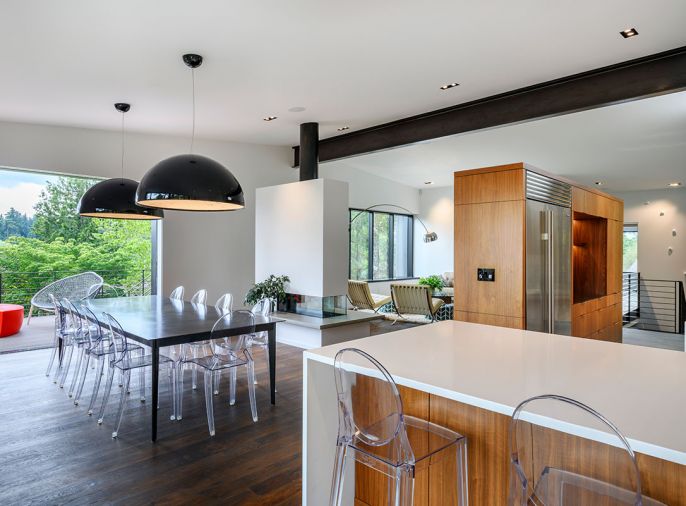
638,145
355,62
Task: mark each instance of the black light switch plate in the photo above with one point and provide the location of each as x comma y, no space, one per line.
485,274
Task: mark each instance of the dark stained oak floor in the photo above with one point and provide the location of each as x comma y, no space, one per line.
52,452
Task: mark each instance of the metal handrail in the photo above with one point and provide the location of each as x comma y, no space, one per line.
17,287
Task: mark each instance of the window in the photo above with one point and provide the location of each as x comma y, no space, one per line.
630,257
380,245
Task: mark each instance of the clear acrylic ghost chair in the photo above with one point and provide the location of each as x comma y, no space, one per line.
228,352
552,468
177,293
224,304
374,431
75,341
199,297
100,349
126,359
105,291
261,339
61,332
199,348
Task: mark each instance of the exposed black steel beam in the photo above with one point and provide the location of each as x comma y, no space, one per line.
309,140
631,80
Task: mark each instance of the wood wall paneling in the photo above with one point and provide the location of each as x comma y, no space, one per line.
615,231
589,257
490,319
489,187
488,458
371,486
490,235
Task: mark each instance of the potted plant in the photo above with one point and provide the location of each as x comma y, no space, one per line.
434,281
272,288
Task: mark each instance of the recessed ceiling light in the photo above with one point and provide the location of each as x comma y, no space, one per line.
448,86
599,183
269,118
629,32
297,108
428,182
675,184
343,128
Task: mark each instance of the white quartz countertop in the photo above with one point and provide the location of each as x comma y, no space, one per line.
642,390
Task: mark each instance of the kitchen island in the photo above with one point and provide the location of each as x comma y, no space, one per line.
470,377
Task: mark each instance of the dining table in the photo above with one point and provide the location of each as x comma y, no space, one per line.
157,321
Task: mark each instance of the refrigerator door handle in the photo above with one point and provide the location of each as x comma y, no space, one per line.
551,271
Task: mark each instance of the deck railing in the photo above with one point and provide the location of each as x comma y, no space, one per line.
18,287
653,304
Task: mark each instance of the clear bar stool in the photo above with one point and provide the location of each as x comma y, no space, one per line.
125,360
199,297
228,352
552,468
374,431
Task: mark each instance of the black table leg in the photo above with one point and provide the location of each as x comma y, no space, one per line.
272,361
60,350
155,371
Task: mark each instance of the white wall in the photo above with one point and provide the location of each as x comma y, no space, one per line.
436,211
367,189
665,212
433,205
301,230
200,250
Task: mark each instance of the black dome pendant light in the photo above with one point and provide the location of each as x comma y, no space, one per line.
190,182
116,198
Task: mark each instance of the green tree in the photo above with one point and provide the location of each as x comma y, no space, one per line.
56,211
15,224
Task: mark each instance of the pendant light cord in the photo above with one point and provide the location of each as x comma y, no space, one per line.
193,130
122,147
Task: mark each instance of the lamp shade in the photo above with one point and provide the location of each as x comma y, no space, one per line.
115,198
190,183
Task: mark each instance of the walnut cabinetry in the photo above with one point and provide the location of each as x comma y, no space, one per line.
597,265
490,232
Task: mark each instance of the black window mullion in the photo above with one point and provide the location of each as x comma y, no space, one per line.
410,247
370,253
390,254
391,274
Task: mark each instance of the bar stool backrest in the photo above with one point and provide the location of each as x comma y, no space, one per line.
552,467
359,378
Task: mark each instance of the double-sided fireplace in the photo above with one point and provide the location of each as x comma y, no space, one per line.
320,307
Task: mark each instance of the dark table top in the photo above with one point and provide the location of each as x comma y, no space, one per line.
158,318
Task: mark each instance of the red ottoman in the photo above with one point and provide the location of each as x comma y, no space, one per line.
11,319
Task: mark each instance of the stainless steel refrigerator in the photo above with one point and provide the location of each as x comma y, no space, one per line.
548,255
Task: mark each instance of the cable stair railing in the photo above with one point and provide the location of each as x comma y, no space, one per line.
653,304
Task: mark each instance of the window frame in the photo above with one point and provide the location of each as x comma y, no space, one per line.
391,245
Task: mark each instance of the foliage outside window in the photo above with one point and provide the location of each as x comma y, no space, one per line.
630,249
55,242
380,245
